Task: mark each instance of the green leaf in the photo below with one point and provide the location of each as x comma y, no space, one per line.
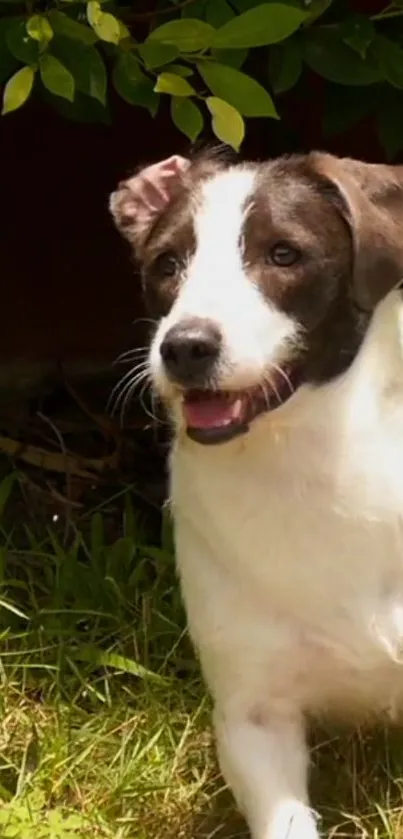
218,12
64,25
84,109
226,122
94,12
105,25
180,70
265,24
315,9
132,85
18,89
85,65
175,85
108,28
232,58
39,29
187,34
124,32
389,58
56,78
98,657
20,44
156,55
187,117
358,32
241,91
285,64
329,57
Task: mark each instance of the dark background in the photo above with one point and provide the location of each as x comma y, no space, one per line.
69,292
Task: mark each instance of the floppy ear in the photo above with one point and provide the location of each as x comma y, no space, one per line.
372,205
138,201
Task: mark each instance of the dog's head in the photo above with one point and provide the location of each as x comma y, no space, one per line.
262,277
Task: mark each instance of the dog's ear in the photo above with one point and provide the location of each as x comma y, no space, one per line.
371,201
138,201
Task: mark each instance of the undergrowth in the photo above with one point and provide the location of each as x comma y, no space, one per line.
105,724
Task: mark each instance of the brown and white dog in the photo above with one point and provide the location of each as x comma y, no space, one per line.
279,355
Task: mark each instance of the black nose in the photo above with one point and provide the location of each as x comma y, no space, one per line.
190,350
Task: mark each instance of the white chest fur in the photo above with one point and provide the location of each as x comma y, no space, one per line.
290,538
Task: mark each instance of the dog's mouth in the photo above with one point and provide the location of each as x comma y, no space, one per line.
216,416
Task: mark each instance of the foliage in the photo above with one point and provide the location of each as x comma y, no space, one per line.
218,61
105,726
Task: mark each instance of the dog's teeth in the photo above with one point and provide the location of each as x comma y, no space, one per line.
237,408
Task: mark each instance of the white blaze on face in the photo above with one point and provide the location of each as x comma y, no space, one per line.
216,286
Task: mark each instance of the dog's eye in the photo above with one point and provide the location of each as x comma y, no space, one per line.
284,255
166,264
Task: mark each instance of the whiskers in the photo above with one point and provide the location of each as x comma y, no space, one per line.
138,377
270,381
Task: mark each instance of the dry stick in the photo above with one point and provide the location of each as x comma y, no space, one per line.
55,461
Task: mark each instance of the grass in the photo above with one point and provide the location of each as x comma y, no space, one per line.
104,724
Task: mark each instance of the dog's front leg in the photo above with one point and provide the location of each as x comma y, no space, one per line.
264,760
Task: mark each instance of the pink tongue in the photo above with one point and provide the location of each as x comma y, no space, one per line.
214,412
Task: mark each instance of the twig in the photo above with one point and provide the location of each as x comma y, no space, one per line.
56,461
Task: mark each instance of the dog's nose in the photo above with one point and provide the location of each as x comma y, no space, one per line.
190,350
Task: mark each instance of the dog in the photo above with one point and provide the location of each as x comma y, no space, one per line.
278,352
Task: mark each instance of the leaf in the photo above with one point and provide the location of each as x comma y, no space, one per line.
39,29
105,25
108,28
181,70
20,44
187,34
389,58
94,12
232,58
85,65
18,89
285,64
329,57
175,85
9,607
265,24
84,109
226,122
56,78
132,85
64,25
316,9
98,657
358,32
156,55
218,12
241,91
187,117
